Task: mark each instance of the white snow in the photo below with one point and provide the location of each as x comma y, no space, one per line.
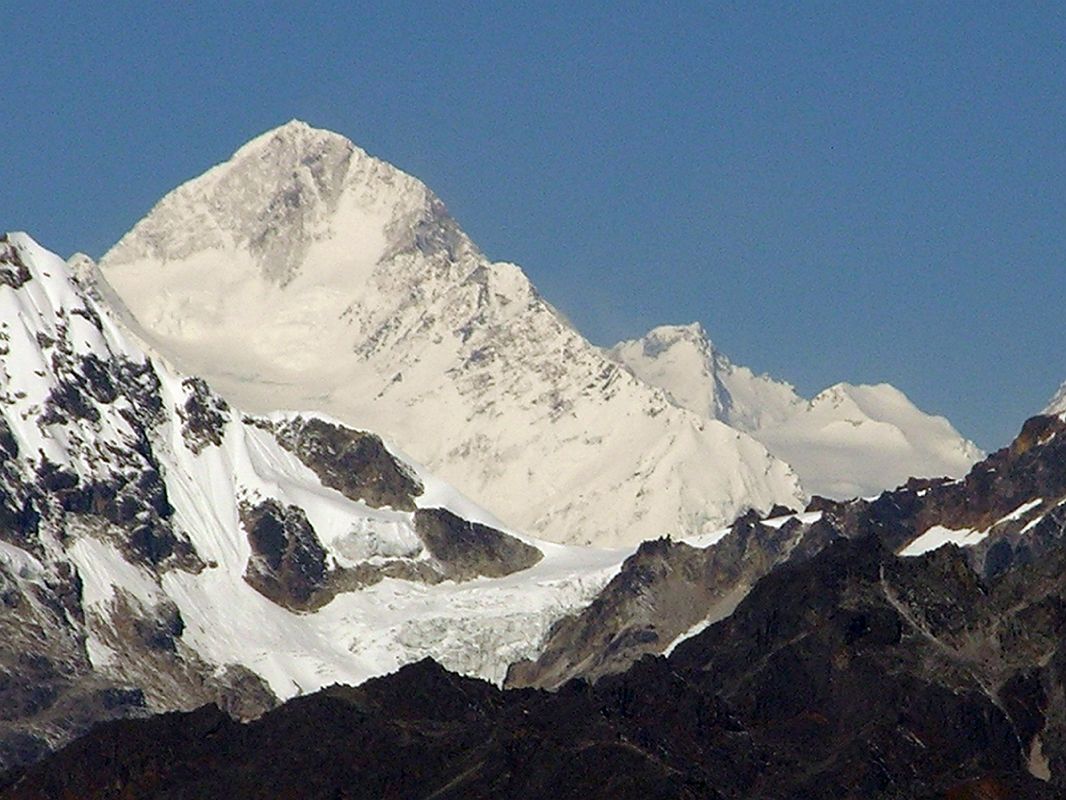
848,441
20,563
477,627
1021,510
696,629
1057,405
714,536
806,518
938,536
103,569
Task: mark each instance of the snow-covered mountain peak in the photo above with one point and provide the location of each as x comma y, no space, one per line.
664,337
303,273
865,400
681,360
848,440
285,192
295,133
1058,402
83,267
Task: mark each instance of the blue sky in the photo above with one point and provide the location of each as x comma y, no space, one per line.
857,191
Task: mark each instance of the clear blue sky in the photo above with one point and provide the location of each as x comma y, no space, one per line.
861,192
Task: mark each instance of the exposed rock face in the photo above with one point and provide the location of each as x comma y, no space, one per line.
49,691
1010,505
13,270
921,655
854,673
355,463
662,591
203,416
288,563
469,550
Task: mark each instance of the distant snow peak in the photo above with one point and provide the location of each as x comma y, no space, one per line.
281,194
681,360
660,339
847,441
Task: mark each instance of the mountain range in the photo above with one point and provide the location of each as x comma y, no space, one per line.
295,430
847,441
849,671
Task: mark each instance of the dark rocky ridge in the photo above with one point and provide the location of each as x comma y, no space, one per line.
661,591
852,674
203,416
48,690
13,270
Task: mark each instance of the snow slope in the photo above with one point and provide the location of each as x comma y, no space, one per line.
141,479
1057,405
848,441
304,273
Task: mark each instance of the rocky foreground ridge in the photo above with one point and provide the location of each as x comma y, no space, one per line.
854,673
872,661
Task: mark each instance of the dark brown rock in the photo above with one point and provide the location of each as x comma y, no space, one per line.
355,463
13,271
203,415
288,563
468,550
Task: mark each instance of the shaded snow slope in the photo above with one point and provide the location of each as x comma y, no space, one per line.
1058,402
287,545
848,441
303,273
